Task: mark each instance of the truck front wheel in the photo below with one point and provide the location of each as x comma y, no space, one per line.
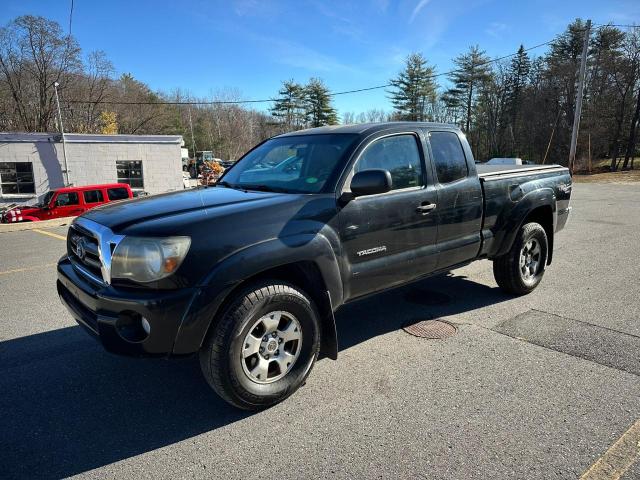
520,270
263,345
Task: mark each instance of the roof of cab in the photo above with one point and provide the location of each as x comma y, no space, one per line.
369,128
91,187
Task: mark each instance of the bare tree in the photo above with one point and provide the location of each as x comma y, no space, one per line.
34,54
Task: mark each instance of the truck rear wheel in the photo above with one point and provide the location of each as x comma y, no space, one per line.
521,269
263,345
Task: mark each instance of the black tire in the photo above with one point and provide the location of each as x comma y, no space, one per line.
507,269
221,356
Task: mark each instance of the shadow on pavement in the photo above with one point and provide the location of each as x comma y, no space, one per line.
383,313
67,406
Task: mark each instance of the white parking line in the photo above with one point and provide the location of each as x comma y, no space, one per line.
54,235
27,269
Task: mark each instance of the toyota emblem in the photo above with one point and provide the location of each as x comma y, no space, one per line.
80,250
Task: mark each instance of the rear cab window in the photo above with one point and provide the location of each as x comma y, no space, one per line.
118,193
448,156
93,196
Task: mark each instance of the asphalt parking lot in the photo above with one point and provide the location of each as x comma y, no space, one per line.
535,387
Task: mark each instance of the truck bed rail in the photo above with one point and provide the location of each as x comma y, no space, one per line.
495,172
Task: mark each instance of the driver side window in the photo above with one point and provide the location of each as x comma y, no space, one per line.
400,155
66,199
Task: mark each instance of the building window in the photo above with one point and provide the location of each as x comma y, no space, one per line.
130,171
16,178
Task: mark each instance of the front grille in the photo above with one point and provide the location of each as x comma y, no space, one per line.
88,255
90,246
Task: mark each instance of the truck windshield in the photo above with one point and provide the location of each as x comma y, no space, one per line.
47,198
295,164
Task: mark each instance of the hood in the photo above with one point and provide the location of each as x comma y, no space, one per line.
119,215
26,209
17,214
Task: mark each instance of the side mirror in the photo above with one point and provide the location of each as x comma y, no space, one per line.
370,182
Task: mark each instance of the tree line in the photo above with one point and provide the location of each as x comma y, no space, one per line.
35,53
522,106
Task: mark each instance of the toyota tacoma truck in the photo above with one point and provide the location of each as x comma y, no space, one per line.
248,273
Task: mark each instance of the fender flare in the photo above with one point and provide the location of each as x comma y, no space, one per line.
542,197
253,260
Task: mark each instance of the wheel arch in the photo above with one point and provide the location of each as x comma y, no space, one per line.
543,215
538,206
305,275
308,262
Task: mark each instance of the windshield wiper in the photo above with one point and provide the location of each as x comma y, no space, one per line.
226,184
263,188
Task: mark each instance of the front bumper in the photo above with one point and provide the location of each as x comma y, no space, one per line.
106,312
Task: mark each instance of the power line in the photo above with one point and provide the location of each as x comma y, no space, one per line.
441,74
615,25
266,100
331,94
169,102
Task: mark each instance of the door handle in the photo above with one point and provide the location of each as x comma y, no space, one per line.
426,207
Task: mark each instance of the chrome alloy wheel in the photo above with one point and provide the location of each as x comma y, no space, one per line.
530,260
271,347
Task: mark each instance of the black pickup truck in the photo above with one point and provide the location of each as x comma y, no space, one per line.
248,273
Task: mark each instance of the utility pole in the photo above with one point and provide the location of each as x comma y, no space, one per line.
580,94
193,139
65,172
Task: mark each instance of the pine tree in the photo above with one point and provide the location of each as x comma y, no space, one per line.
471,71
289,107
319,110
414,89
517,76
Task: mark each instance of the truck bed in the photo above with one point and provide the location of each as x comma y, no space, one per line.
508,189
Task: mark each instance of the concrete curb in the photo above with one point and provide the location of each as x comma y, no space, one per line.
20,226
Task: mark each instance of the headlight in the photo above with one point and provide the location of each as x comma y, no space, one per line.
148,259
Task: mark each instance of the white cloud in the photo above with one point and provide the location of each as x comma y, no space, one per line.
421,4
496,29
341,24
300,56
243,7
381,5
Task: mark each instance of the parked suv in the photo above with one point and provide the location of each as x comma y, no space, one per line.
68,202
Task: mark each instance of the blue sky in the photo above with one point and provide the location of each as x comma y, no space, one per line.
248,47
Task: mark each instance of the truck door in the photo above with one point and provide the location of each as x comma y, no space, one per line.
66,204
459,210
389,238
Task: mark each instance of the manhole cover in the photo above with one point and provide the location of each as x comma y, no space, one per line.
434,329
428,297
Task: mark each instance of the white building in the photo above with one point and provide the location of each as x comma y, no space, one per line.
32,163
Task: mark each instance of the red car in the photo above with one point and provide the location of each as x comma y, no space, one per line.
68,202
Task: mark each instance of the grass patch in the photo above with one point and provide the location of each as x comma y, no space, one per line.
625,176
